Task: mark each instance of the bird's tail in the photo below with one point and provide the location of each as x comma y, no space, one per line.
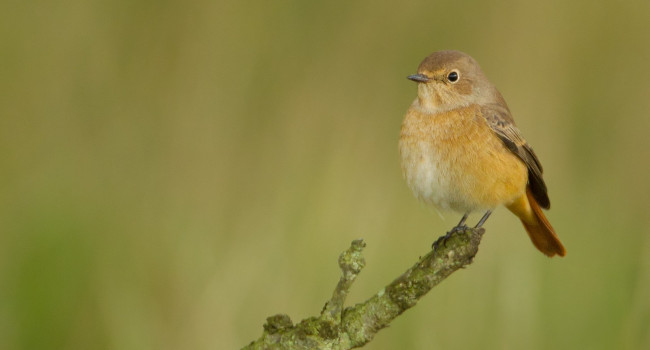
539,229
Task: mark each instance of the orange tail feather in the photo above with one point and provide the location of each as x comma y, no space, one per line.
539,229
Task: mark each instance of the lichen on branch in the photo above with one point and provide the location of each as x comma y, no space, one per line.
339,327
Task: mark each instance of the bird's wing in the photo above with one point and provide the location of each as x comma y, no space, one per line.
501,122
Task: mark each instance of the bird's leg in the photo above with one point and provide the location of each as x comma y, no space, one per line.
485,217
458,228
461,224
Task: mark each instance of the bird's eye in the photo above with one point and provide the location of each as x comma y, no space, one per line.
452,76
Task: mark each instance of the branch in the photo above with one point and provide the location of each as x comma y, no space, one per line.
352,327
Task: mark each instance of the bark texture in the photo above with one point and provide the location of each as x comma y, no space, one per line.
340,327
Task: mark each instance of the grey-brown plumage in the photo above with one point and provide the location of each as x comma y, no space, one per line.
501,122
461,149
493,108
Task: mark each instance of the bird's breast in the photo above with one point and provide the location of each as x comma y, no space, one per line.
453,160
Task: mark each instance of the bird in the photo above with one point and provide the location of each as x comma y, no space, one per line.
461,150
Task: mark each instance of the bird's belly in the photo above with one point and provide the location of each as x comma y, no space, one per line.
465,171
434,181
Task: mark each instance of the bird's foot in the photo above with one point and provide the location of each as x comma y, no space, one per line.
445,238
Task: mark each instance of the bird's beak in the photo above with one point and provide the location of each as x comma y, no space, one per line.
419,78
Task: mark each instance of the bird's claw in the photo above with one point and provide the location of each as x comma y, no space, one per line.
445,238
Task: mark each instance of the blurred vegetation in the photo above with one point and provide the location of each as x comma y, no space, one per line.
174,172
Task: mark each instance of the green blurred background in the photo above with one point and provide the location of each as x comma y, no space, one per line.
172,173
